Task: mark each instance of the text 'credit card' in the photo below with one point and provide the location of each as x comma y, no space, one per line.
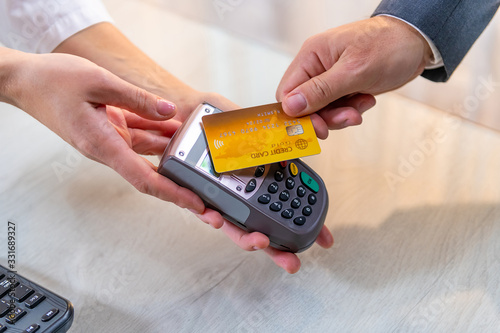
256,136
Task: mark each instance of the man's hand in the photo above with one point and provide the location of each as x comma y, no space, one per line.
337,72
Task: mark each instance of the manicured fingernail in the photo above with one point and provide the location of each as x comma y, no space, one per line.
295,103
329,240
195,212
165,108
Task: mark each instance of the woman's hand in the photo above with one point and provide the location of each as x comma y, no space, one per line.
85,105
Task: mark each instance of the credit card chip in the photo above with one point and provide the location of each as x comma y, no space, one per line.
294,130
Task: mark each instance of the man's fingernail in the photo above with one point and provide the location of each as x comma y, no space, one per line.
365,106
165,108
295,103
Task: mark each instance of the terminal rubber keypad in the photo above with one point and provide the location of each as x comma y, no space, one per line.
287,193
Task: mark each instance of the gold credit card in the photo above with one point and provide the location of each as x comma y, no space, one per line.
256,136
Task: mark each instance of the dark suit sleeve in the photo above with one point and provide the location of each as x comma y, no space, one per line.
453,26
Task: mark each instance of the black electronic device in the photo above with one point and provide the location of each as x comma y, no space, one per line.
286,201
28,307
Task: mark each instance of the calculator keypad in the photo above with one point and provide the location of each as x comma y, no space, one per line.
24,307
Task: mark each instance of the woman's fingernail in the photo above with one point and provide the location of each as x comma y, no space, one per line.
295,103
165,108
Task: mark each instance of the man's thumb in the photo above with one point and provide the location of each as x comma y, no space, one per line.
312,95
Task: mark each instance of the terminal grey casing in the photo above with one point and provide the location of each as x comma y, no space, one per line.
225,192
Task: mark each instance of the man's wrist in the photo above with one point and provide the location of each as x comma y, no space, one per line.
435,60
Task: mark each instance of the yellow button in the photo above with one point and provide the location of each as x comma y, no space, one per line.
293,169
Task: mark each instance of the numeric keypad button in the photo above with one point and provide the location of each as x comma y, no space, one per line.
290,183
279,175
14,315
264,199
32,328
300,220
287,213
6,286
276,206
50,314
259,171
4,307
284,195
22,292
312,199
295,203
273,187
34,300
252,184
307,210
301,191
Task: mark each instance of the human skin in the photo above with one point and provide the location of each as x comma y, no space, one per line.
336,73
114,104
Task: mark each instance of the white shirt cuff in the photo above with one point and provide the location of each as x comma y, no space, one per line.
437,59
69,25
39,26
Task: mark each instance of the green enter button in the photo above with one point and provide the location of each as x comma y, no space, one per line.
309,182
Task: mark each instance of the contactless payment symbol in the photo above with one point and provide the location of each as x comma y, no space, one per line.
218,144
